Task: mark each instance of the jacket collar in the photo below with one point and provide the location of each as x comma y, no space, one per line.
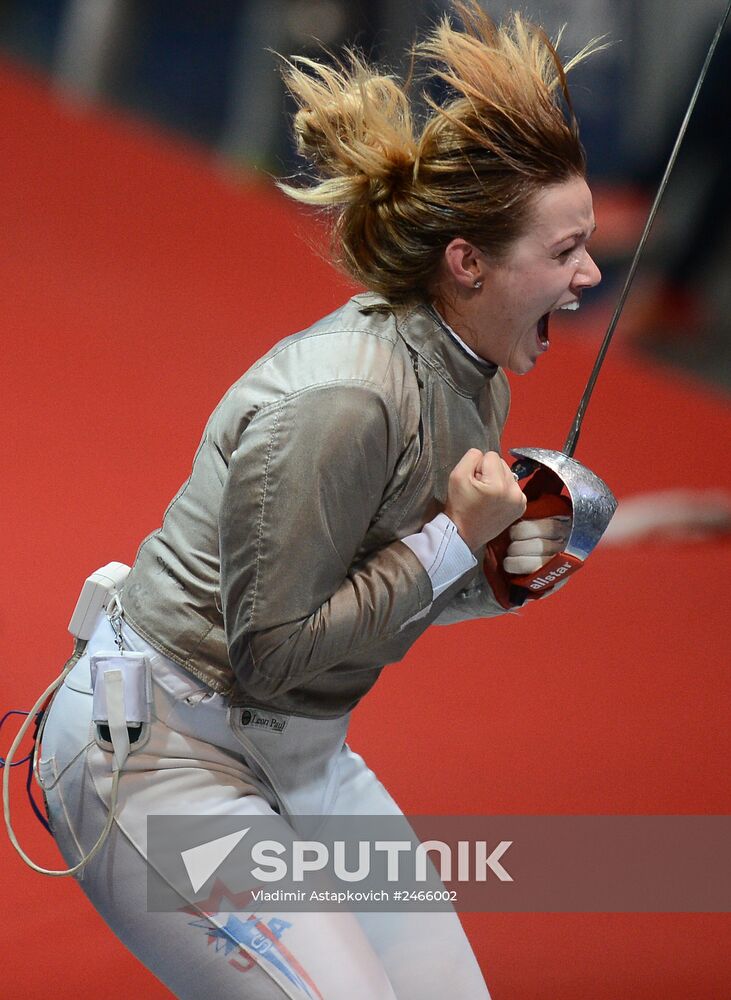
424,332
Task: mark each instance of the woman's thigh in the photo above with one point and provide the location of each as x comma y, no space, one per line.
427,955
198,950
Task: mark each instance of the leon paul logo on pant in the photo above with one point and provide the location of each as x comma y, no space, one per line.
255,719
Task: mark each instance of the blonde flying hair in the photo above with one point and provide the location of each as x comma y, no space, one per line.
504,129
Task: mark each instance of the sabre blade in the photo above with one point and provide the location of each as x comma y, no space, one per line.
571,441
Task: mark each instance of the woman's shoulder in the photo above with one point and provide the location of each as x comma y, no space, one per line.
357,340
356,347
357,343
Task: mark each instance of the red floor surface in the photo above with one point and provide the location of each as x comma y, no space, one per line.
137,282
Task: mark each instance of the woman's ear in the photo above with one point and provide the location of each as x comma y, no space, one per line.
464,263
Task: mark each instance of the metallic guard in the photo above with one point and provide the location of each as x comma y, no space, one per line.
592,501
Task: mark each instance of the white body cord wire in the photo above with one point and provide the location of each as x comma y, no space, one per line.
79,650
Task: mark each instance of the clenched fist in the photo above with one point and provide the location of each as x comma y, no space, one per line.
483,497
534,543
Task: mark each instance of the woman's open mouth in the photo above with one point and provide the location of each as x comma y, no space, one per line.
542,324
542,329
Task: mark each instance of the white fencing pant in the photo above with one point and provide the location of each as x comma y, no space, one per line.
193,761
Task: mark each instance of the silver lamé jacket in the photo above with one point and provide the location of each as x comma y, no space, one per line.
278,577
